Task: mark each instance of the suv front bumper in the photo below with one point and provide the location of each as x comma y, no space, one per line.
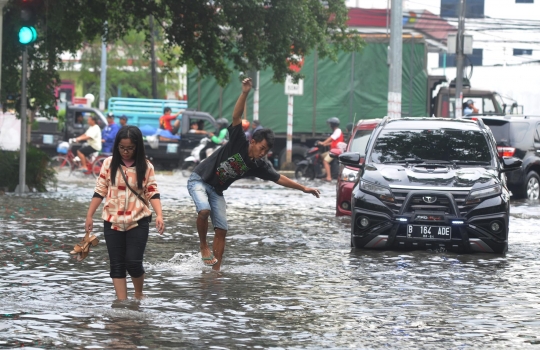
450,227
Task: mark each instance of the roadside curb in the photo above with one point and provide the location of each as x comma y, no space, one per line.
288,173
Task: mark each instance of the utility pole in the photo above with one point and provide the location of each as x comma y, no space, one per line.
395,69
103,77
153,58
459,61
256,98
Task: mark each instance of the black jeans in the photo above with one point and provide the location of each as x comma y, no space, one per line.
126,249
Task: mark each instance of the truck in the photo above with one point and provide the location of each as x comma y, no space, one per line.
353,88
166,152
46,134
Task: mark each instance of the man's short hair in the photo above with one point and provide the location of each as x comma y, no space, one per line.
95,118
166,109
264,134
256,123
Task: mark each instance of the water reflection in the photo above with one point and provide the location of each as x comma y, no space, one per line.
289,280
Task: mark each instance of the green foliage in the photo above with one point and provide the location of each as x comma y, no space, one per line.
38,174
253,34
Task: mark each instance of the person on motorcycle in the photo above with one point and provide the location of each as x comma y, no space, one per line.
332,141
218,140
237,159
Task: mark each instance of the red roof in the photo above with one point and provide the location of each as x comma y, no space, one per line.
359,17
433,25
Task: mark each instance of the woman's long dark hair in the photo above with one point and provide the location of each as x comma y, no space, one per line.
135,135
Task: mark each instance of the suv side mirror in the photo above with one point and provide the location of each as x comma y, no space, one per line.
511,163
354,159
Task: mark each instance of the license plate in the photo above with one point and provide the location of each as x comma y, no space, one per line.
429,232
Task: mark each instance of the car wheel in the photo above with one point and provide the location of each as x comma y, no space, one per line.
532,186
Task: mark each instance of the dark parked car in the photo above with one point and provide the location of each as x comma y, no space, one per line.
430,183
349,174
519,136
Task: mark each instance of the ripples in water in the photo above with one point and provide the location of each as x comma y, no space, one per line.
289,280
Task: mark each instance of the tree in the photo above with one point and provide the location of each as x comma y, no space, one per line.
252,34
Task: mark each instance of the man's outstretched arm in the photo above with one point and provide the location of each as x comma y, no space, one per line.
241,102
286,182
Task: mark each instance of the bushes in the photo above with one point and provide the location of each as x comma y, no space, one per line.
38,174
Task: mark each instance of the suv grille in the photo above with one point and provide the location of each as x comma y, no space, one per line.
442,204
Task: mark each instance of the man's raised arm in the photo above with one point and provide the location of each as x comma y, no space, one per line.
241,102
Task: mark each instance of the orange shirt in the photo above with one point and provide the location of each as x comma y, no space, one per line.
165,121
122,207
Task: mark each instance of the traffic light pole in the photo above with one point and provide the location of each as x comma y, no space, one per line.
21,187
396,63
459,62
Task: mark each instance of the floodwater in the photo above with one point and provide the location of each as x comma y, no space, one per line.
289,280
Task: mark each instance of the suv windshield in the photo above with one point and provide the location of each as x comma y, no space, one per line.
359,143
438,144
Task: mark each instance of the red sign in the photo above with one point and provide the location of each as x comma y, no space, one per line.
80,101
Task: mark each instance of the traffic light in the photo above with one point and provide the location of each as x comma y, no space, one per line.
27,32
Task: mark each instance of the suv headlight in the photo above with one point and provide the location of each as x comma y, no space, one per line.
476,196
380,192
349,175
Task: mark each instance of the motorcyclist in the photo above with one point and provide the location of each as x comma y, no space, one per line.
216,140
332,141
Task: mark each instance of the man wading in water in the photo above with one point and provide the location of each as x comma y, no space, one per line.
237,159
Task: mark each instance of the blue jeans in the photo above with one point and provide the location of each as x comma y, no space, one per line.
205,198
126,249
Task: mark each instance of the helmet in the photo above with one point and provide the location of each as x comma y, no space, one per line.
222,122
245,125
469,102
334,122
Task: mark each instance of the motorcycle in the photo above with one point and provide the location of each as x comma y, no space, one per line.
312,168
194,159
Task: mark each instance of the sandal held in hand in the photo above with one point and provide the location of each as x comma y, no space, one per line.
82,248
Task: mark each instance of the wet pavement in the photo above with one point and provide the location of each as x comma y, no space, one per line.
289,280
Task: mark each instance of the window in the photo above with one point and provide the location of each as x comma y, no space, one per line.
430,144
524,1
473,8
521,52
537,134
359,143
475,59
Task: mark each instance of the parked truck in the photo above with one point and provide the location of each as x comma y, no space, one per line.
166,152
46,134
353,88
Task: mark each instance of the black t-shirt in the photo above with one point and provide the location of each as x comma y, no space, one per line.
231,162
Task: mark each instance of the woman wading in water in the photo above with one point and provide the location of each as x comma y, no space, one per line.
128,185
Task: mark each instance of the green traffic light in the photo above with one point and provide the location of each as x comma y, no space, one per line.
27,35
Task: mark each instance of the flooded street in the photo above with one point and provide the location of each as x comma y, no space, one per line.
289,280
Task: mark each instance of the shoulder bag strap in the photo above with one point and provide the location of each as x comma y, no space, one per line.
128,186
